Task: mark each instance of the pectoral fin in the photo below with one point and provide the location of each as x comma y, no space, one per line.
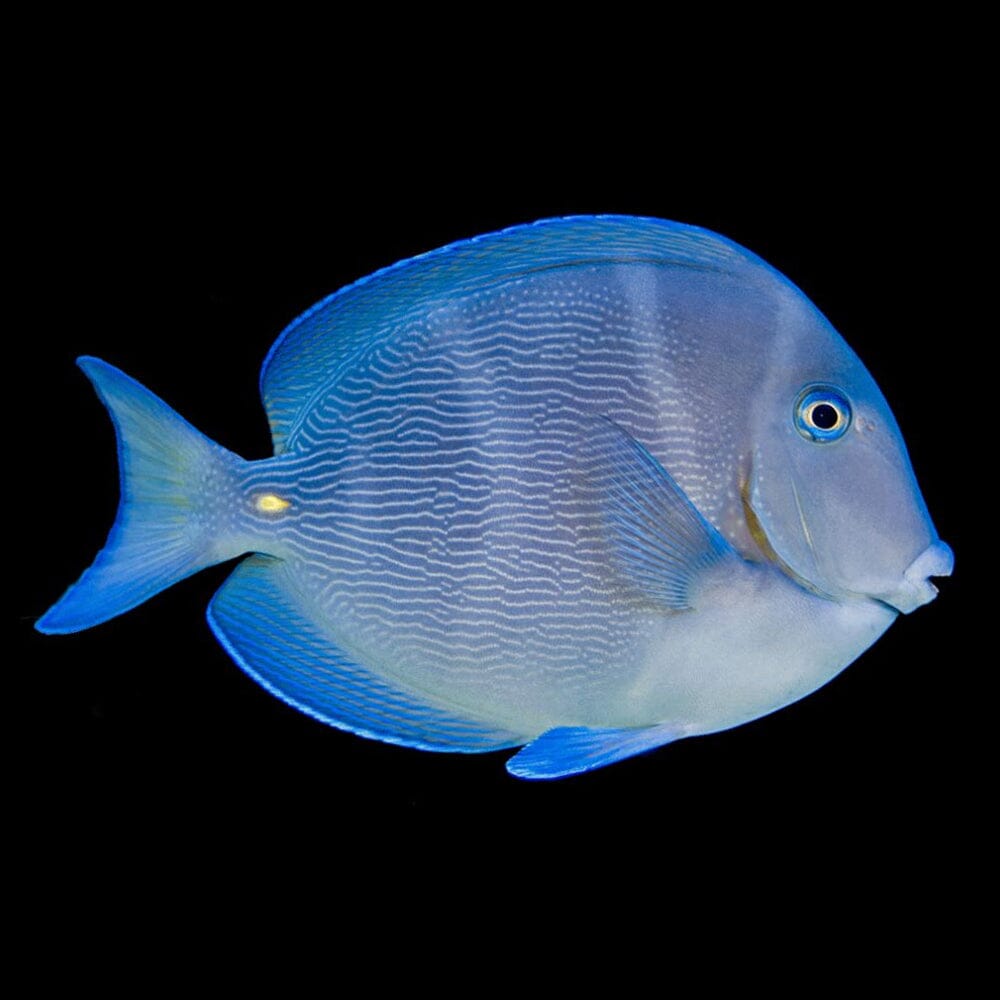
659,539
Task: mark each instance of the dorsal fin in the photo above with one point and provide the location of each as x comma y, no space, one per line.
313,347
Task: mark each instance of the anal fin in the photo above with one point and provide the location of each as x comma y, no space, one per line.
266,626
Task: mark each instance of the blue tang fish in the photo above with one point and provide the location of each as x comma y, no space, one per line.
583,487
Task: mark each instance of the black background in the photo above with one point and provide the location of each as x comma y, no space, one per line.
179,253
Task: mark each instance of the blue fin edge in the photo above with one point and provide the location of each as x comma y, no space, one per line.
568,750
258,622
154,541
456,245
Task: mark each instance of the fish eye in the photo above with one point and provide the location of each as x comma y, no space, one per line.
822,413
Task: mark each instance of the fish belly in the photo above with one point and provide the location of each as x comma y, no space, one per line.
753,642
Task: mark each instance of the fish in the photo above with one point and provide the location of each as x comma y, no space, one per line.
583,488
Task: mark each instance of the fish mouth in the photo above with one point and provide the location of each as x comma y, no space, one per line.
916,589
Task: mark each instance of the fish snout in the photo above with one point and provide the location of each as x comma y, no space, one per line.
916,588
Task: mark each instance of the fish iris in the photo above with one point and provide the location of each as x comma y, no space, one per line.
822,413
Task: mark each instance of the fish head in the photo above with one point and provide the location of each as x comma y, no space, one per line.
831,496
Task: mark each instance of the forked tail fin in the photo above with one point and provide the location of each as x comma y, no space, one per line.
172,481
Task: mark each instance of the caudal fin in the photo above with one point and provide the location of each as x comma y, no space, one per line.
170,474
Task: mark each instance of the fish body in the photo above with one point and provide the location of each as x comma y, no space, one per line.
590,485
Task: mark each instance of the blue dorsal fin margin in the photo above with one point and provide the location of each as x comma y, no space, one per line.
312,348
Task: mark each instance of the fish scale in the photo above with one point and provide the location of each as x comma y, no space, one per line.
563,486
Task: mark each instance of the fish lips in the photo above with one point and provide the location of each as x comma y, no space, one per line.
916,588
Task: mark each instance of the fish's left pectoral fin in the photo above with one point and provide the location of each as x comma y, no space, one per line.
660,540
568,750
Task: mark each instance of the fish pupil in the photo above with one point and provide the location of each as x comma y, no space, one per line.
825,416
